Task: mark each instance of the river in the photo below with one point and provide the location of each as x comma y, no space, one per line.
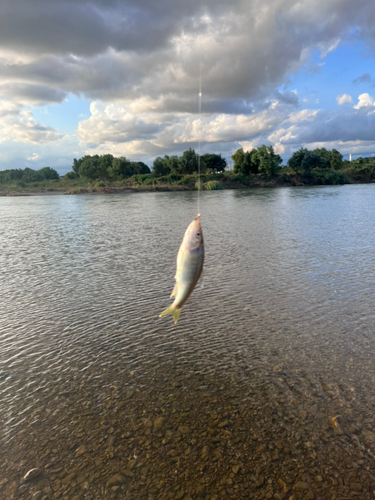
264,389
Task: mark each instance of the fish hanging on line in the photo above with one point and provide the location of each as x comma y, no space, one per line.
189,267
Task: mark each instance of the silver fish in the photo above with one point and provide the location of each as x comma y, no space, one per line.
189,267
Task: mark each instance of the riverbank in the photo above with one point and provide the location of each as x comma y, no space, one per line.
173,182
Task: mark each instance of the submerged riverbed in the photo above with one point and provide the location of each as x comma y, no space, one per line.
264,389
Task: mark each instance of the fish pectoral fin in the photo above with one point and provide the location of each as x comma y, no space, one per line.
200,281
173,294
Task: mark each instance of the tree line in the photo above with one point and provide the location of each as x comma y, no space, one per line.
188,164
106,167
27,175
313,166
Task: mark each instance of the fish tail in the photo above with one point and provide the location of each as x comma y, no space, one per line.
174,311
176,315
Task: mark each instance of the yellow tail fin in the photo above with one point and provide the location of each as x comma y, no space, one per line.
175,312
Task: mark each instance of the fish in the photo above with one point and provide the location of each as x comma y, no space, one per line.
190,259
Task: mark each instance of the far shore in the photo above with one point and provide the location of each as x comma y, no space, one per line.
89,189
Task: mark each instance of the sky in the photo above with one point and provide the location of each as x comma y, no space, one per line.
123,77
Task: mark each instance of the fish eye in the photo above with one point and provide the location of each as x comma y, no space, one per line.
198,234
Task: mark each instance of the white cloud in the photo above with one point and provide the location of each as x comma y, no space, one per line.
114,127
344,98
144,88
17,124
328,47
58,154
34,157
303,115
365,100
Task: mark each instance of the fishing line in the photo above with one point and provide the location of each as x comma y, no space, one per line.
199,131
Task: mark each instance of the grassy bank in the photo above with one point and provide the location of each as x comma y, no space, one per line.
174,182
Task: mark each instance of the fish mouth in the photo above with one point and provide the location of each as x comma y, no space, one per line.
197,217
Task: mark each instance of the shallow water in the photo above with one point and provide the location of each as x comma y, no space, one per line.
236,401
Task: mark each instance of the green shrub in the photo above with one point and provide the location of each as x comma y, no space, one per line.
364,172
70,176
99,184
187,180
213,186
328,176
170,179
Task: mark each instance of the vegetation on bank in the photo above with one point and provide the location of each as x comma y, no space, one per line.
259,167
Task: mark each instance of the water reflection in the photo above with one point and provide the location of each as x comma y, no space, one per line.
237,401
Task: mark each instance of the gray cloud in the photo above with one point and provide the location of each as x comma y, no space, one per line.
17,124
32,93
126,49
366,78
143,59
344,125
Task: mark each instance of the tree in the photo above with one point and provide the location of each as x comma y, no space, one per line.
76,164
142,167
304,161
160,166
313,160
213,162
333,157
245,162
30,175
89,167
336,159
323,152
120,168
49,173
189,162
295,161
173,162
269,161
104,163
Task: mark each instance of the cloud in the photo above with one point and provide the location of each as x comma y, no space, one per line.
148,134
117,127
344,98
138,62
33,94
111,50
34,157
365,78
327,48
18,125
365,100
341,127
57,154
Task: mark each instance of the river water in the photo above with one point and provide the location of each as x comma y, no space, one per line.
264,389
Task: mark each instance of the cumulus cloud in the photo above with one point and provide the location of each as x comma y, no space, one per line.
147,132
344,98
139,62
346,129
114,50
18,125
365,100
